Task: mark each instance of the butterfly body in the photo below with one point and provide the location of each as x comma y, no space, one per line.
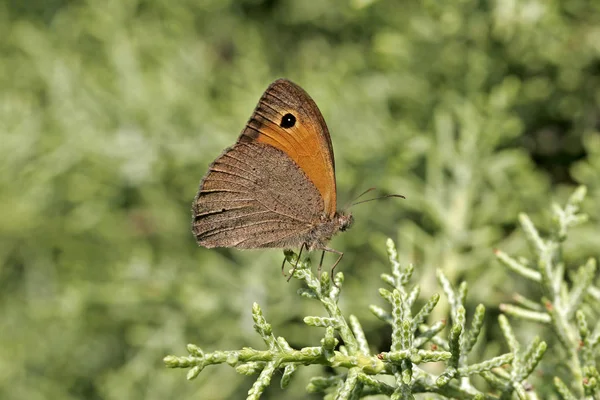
276,186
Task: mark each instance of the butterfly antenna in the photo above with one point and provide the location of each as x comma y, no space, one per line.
358,197
378,198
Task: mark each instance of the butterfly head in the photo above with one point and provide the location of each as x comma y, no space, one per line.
326,228
343,220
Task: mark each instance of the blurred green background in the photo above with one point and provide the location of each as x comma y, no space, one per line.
111,111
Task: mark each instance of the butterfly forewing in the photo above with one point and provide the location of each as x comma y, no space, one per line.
307,142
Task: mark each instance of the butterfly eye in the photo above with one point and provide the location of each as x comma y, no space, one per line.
287,121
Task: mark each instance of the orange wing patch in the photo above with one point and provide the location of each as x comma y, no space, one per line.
307,141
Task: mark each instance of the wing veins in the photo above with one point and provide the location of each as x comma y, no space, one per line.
257,112
230,173
219,162
272,241
293,136
220,190
241,216
269,136
259,202
208,213
237,159
224,181
226,201
272,94
217,230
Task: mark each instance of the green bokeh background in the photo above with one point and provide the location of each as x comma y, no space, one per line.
111,111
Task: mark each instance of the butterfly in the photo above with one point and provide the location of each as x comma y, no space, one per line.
275,187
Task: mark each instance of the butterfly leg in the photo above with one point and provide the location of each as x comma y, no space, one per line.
283,266
340,255
296,264
320,264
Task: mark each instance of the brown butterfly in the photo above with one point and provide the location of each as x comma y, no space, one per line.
275,188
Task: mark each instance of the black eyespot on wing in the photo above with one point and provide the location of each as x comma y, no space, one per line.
287,121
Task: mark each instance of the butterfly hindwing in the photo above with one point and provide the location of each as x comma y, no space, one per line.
255,196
